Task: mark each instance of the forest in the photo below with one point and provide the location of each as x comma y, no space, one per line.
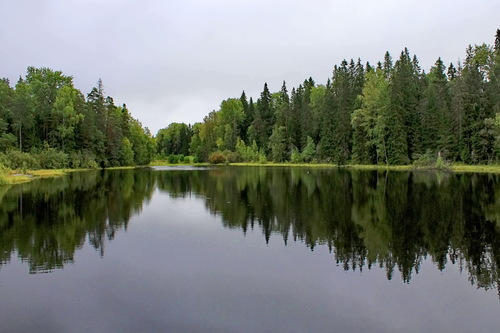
45,122
393,113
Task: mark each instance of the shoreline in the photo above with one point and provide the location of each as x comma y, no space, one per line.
18,177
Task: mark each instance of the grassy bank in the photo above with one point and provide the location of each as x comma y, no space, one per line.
452,167
18,177
326,165
476,168
8,177
167,163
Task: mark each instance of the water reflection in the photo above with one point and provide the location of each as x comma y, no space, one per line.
394,220
391,219
46,221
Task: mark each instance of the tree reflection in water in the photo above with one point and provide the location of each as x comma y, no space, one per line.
394,220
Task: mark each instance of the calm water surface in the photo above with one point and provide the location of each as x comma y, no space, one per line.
251,250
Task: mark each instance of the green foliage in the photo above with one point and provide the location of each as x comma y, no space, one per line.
7,140
3,179
225,157
173,159
402,121
277,144
296,156
230,156
217,157
44,109
264,119
14,159
228,121
247,153
309,152
174,139
262,157
441,164
369,121
126,153
425,160
64,114
3,170
83,160
50,158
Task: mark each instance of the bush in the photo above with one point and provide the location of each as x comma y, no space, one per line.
296,156
262,158
430,160
216,157
230,156
424,160
15,159
3,180
50,158
173,159
441,164
85,160
247,153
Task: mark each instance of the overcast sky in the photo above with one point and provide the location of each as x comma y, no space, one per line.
176,60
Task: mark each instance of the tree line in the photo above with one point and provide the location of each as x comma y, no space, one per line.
391,113
45,122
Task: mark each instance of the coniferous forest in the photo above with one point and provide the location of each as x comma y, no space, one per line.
393,112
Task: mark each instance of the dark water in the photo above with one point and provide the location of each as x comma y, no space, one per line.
251,250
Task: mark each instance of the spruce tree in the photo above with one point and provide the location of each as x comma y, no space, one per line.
435,111
264,118
402,114
295,128
248,118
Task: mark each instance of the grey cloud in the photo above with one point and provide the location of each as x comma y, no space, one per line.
176,60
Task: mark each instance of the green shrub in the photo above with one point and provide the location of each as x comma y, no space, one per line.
262,158
3,179
424,160
15,159
296,156
441,164
216,157
3,161
51,158
230,156
173,159
84,160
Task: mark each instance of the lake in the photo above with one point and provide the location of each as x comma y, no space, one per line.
259,249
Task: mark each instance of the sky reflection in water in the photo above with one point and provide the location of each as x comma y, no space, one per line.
144,251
